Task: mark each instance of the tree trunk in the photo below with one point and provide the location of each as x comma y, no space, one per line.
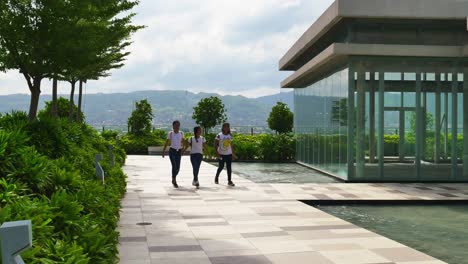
72,94
80,97
54,99
35,88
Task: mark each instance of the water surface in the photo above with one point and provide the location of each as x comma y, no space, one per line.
439,231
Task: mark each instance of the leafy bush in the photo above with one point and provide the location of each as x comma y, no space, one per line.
134,144
278,148
47,175
266,148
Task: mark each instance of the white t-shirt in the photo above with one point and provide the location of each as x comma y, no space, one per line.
176,139
197,147
225,142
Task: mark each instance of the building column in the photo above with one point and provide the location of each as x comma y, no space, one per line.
465,123
380,133
424,120
360,123
351,121
401,145
437,120
454,123
446,101
418,125
372,118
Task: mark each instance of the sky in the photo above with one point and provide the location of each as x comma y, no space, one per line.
218,46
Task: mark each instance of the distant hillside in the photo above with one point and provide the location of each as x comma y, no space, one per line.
114,109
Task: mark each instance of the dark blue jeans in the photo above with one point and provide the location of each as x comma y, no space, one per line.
228,160
196,160
175,156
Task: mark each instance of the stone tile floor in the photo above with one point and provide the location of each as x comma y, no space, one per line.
254,223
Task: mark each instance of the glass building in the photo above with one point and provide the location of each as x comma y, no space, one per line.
381,91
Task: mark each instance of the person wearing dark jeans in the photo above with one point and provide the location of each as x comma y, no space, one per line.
176,140
224,159
223,145
196,160
197,144
175,157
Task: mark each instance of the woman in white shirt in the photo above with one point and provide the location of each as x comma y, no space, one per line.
197,145
223,145
176,140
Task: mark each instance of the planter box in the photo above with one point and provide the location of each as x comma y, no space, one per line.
157,151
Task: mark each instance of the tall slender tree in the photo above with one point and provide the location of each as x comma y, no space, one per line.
70,40
24,35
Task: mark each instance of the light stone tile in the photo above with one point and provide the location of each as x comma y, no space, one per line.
354,257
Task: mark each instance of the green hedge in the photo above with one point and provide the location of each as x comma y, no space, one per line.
47,175
264,147
138,144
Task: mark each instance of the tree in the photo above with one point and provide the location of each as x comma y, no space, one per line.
62,39
62,105
209,112
140,122
25,31
281,118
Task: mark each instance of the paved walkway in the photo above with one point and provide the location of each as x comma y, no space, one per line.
254,223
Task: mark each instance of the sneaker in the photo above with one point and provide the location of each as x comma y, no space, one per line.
196,184
231,184
216,180
174,183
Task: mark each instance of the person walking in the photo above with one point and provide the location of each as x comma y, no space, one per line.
225,150
197,144
175,139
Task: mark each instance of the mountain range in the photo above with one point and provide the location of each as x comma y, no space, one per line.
113,110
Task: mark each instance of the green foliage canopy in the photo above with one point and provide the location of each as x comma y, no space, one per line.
209,112
281,118
140,122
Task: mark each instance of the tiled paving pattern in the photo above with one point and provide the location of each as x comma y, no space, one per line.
253,223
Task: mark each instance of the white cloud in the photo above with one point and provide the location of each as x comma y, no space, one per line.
219,45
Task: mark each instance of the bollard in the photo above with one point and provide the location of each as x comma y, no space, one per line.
16,237
111,156
99,170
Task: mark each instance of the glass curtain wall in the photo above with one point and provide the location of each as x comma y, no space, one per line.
321,124
410,125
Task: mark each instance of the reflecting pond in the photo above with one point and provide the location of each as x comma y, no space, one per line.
279,173
439,231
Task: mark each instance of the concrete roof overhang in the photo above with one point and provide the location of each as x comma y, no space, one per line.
337,54
387,9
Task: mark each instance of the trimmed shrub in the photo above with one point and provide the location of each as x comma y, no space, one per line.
47,175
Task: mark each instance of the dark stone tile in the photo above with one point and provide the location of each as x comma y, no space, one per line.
265,234
334,189
272,192
395,191
200,216
277,214
322,197
176,248
447,195
348,195
208,224
132,239
318,227
424,188
448,188
254,259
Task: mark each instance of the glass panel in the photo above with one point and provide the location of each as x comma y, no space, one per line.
321,119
